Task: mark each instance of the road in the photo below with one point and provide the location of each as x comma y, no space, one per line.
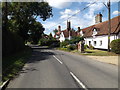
49,68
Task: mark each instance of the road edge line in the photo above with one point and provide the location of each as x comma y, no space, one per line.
4,84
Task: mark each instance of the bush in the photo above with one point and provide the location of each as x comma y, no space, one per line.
11,43
91,47
86,46
64,44
115,46
49,42
71,47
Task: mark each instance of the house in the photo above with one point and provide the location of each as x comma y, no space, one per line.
97,34
67,33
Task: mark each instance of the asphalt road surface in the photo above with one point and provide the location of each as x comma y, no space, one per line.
48,68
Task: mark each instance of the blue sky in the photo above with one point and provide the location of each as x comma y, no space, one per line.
62,10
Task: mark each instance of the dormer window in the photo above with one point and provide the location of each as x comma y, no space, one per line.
81,33
94,32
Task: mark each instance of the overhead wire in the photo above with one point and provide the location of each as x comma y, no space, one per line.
74,14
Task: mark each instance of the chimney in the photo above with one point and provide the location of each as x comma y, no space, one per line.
98,18
59,28
79,29
68,25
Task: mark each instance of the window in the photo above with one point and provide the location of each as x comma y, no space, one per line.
100,42
95,43
89,43
94,32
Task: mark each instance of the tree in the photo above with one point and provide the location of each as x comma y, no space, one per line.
23,14
50,36
76,39
36,32
55,31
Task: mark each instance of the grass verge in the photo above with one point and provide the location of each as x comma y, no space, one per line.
96,52
64,49
11,65
90,52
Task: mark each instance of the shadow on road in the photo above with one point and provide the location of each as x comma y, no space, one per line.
38,54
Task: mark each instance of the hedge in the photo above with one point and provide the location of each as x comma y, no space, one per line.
11,43
115,46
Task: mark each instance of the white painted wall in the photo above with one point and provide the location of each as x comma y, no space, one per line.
62,38
98,39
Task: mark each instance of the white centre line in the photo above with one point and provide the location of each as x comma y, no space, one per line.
57,59
79,82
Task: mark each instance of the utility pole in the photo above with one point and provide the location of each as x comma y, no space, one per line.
109,25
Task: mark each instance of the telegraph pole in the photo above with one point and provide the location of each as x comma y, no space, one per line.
109,25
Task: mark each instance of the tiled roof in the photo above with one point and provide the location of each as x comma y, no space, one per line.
72,33
103,28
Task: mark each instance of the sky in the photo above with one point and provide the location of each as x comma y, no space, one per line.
83,17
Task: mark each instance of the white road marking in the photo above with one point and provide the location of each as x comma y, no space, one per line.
57,59
79,82
3,84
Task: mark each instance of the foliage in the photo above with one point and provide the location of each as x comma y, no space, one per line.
13,63
71,47
64,43
50,36
76,39
115,46
55,31
86,46
91,47
50,41
11,43
22,16
36,32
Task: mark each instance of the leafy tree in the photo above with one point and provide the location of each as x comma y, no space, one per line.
55,31
36,32
75,40
50,36
23,14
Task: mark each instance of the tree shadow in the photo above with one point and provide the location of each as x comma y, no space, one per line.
38,55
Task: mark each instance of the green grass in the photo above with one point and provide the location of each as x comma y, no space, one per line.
11,65
64,49
95,52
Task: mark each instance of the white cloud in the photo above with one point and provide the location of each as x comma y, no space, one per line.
80,20
59,3
68,13
49,26
81,0
116,13
92,9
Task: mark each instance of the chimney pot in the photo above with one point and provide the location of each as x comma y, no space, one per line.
59,28
78,29
98,18
68,25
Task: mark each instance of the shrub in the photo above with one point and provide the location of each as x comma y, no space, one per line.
11,43
64,44
115,46
71,47
49,42
91,47
86,46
